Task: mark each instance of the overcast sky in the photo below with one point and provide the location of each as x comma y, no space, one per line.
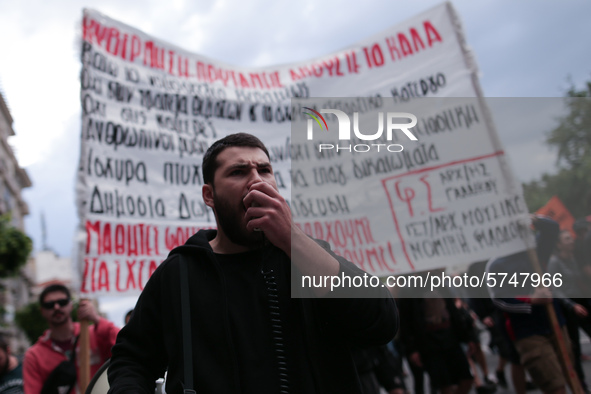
527,48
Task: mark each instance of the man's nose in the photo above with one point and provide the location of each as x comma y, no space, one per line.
254,177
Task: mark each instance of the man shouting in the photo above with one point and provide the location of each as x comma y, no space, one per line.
248,335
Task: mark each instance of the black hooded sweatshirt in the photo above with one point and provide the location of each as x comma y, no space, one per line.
330,326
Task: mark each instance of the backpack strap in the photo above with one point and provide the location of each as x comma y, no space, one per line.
73,355
186,325
63,376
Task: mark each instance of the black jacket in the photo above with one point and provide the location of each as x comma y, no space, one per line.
152,341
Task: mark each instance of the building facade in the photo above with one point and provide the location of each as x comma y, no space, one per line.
14,292
13,178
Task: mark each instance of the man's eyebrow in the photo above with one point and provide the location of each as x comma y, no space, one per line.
245,165
238,165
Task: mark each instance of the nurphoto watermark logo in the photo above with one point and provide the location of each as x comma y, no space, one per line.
344,130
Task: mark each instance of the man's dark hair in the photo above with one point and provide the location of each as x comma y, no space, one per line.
53,288
210,164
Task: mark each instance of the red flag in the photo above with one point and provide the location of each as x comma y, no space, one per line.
556,210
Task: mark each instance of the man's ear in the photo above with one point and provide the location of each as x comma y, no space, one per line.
207,193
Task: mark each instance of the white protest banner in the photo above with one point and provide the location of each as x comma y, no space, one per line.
400,199
151,109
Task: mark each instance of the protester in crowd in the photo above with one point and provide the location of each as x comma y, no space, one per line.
479,302
528,321
418,376
432,330
501,344
474,353
49,363
581,228
417,372
379,368
583,246
392,380
571,294
248,334
11,371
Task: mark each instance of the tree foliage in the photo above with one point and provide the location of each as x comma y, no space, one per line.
30,320
572,138
15,248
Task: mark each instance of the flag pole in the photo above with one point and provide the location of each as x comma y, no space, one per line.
563,357
84,356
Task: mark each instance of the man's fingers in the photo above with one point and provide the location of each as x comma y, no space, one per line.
258,199
264,190
255,198
265,187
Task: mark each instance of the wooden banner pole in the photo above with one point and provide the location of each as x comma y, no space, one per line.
565,361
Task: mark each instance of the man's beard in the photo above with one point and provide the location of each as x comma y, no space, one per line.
58,320
231,221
